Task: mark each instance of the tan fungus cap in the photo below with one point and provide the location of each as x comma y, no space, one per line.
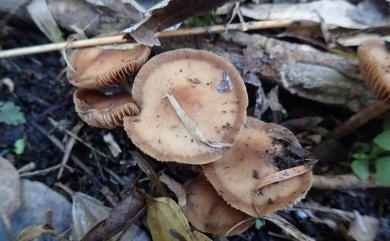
264,171
208,212
192,103
97,67
374,60
104,111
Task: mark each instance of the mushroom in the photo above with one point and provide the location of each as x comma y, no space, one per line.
103,111
374,60
193,104
265,170
209,213
97,67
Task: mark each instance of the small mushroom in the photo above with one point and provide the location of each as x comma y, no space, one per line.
265,170
374,60
193,104
209,213
103,111
97,67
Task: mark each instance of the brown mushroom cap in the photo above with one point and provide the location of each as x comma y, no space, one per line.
103,111
97,67
260,153
209,213
374,60
206,87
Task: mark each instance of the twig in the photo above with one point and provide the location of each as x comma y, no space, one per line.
144,165
287,227
28,167
109,195
61,146
55,124
347,181
43,171
68,148
119,38
65,188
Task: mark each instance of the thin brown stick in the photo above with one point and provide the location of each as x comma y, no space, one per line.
61,146
360,118
55,124
119,38
347,181
42,171
68,149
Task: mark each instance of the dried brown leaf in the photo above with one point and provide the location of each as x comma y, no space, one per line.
119,218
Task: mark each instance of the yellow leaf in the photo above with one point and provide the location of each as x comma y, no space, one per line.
167,222
35,231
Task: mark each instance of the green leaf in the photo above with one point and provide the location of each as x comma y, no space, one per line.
361,168
383,170
360,156
19,146
10,114
383,140
362,148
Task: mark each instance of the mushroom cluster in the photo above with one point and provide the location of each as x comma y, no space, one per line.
94,68
190,107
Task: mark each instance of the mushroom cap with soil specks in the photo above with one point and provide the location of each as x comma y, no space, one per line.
212,102
260,153
103,111
208,212
374,59
97,67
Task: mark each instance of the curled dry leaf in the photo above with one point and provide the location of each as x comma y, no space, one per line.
167,13
167,222
9,188
332,13
120,216
88,211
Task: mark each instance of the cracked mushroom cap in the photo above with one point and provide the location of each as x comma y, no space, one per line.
208,212
97,67
374,60
103,111
193,104
263,172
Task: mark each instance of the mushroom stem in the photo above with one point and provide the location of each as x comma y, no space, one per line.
360,118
